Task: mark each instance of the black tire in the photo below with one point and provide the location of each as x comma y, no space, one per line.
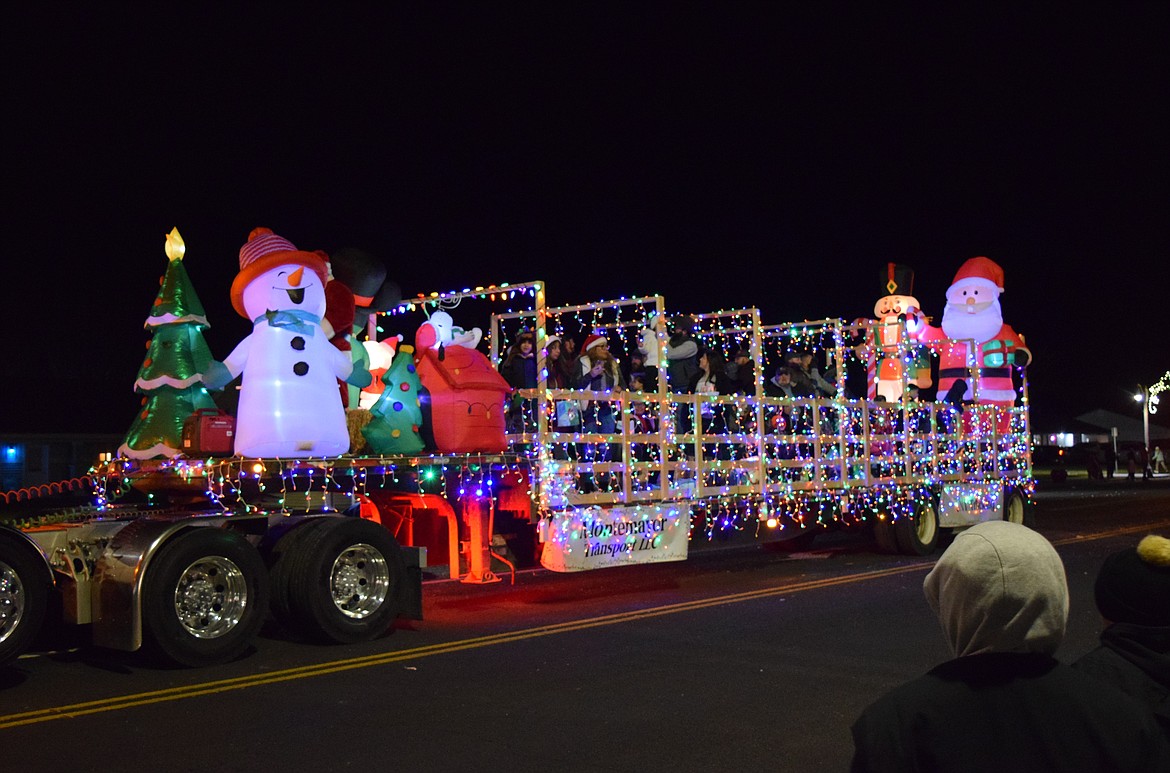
280,572
24,596
917,534
1017,508
883,533
343,577
204,598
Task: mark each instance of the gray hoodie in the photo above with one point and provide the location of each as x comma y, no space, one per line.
999,587
1005,704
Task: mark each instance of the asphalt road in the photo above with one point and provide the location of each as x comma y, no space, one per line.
731,661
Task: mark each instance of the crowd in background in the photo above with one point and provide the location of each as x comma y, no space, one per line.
691,368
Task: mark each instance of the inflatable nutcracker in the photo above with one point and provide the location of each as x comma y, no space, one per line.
973,314
900,360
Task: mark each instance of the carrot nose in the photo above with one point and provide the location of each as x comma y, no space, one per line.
294,279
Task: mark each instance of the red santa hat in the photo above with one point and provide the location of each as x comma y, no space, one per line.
265,250
593,340
983,271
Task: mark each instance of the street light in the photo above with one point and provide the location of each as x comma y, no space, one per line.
1149,401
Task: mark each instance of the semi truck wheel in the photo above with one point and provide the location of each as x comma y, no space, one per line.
279,575
340,580
204,598
24,594
1017,509
918,534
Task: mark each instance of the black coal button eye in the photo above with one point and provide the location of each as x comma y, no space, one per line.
298,343
301,368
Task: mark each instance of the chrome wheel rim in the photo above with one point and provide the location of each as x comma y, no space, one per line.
1015,510
11,600
926,524
210,597
360,580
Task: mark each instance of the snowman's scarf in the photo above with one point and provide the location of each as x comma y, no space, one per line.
295,320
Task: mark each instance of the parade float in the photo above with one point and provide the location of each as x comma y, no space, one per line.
351,465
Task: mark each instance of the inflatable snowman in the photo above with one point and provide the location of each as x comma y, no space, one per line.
979,339
289,403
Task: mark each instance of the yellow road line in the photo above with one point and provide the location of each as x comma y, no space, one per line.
1149,527
322,669
415,653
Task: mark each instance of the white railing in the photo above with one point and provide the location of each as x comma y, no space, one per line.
746,446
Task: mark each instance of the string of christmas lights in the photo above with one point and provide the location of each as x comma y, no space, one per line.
777,465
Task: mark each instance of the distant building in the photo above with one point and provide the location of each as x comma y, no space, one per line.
1098,427
33,459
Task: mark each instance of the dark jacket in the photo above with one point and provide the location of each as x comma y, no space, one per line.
801,380
682,354
519,371
723,384
1006,711
610,378
1136,659
772,389
743,378
716,418
558,377
856,378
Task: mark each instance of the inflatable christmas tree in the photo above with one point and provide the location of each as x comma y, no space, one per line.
397,416
171,375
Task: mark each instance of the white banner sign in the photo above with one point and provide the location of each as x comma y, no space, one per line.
595,537
966,504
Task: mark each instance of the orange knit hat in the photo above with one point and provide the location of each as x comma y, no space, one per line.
265,250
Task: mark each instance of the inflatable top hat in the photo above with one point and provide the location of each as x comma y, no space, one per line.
897,279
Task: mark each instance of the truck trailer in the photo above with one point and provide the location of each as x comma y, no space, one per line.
185,557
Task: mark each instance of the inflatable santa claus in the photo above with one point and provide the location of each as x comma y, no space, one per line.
973,316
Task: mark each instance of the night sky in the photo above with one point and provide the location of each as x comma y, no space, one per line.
724,154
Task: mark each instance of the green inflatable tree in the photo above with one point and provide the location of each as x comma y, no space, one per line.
171,375
397,416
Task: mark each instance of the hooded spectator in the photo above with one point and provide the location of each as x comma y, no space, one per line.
1133,596
1004,703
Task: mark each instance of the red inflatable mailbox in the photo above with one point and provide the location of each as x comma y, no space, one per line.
467,396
